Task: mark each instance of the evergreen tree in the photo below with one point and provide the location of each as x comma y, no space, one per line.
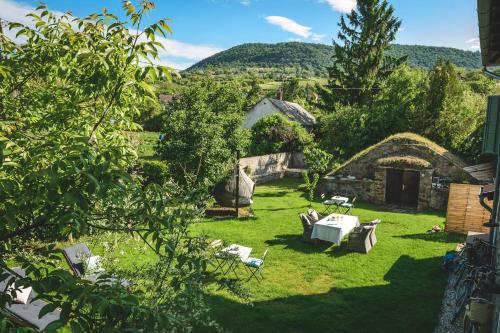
360,59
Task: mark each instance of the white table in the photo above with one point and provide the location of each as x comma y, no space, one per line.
334,227
336,200
236,250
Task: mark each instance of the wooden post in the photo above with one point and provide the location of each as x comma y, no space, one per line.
237,194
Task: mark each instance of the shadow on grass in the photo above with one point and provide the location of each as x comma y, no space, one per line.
271,194
294,242
442,237
409,303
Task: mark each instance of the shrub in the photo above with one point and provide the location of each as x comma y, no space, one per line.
276,133
317,159
156,172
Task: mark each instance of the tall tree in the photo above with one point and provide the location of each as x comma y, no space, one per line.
360,60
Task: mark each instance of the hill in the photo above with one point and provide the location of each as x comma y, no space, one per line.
314,58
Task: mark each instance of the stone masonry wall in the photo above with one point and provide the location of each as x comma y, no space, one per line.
266,168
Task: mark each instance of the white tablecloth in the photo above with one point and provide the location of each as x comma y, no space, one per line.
336,200
334,227
241,251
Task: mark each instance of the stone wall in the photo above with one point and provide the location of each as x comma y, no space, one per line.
373,190
266,168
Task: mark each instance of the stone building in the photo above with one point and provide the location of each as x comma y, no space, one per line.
405,170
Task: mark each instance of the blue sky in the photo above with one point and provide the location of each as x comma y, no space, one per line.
204,27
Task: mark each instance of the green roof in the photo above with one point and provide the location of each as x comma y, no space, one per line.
407,136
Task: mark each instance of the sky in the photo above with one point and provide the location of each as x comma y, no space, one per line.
202,28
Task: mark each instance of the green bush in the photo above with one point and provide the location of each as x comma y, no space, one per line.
156,172
317,159
276,133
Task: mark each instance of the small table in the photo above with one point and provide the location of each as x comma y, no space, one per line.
235,253
334,227
335,201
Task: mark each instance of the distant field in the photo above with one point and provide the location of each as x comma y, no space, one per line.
274,85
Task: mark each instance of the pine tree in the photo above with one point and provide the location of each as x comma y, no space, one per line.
360,62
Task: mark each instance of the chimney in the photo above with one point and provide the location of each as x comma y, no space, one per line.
279,94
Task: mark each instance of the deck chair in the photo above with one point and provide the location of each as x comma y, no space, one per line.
255,266
26,314
75,255
345,208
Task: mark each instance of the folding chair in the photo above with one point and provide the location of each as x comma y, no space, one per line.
329,205
219,257
255,266
345,208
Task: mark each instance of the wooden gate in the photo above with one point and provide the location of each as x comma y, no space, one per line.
464,211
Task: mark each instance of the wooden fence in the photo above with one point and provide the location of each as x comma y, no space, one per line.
464,211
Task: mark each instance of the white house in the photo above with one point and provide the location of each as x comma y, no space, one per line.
270,106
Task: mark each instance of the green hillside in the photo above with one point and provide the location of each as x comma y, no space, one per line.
314,58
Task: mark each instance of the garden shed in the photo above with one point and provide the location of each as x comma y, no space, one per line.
405,170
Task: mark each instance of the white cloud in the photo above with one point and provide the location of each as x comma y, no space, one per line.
343,6
184,53
246,2
473,44
317,37
290,26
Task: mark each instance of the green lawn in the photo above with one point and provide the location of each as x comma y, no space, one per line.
397,287
145,143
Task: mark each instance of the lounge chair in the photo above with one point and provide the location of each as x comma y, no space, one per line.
27,314
75,256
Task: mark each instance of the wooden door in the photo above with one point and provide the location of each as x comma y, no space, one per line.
394,187
410,190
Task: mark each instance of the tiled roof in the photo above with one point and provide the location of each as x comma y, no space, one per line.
295,112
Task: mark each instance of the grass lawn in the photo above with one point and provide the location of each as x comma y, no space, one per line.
145,143
397,287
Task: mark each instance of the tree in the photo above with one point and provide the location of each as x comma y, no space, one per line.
360,60
310,185
68,93
276,134
201,133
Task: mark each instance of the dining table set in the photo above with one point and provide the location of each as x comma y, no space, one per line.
334,227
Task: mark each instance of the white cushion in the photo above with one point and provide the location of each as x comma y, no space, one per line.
22,294
314,215
93,264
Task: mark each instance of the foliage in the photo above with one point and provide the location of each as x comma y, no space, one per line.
154,172
291,89
307,60
317,159
355,79
310,185
201,133
150,117
276,134
68,93
254,94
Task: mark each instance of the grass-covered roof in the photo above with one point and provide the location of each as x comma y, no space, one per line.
409,138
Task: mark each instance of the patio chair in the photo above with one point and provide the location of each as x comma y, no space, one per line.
314,216
255,266
75,256
26,314
220,259
345,208
307,225
359,239
330,205
373,224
